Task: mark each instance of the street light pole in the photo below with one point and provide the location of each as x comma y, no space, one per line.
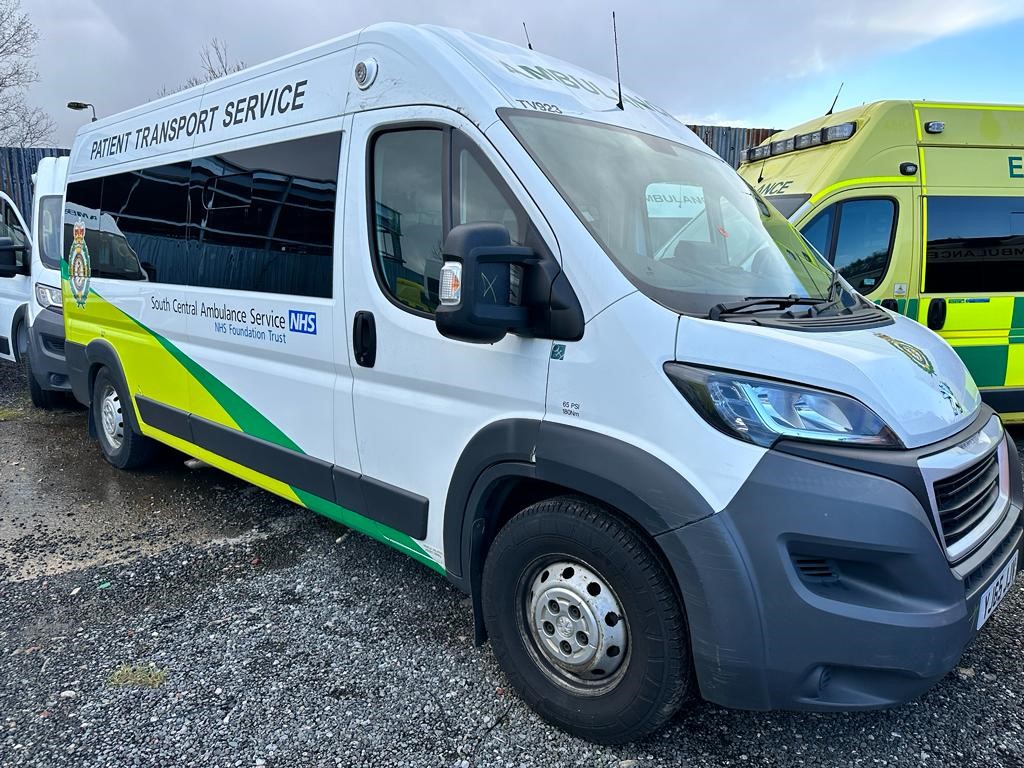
78,105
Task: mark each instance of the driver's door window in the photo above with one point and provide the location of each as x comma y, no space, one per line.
10,227
856,237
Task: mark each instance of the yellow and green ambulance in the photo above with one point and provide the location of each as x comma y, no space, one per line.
921,206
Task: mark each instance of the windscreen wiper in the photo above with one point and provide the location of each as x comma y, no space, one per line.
754,304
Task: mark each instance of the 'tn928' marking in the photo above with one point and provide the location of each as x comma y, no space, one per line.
541,106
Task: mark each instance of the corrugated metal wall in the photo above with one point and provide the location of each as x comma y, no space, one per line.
728,142
16,168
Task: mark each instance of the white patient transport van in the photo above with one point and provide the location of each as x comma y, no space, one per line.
445,291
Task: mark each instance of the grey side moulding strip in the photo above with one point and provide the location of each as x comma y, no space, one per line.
387,504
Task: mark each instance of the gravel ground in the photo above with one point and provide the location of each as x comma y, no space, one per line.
179,617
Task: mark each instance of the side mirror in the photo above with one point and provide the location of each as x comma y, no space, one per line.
481,286
489,287
8,257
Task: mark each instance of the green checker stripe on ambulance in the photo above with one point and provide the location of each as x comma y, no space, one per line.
987,364
255,424
1017,324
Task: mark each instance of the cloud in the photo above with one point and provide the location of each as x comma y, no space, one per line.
706,59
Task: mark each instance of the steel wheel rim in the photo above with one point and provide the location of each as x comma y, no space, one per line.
111,418
573,625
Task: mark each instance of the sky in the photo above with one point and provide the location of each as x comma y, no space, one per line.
740,62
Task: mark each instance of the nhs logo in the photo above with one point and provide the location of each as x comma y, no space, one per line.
301,321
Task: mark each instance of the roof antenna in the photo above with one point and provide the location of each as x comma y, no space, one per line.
760,176
835,100
618,76
527,33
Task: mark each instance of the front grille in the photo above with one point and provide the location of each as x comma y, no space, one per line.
963,500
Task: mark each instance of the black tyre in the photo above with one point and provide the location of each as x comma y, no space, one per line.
41,398
585,623
121,445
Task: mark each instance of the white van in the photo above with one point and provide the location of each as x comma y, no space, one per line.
445,291
15,255
47,374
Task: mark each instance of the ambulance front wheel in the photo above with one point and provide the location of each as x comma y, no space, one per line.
122,446
585,623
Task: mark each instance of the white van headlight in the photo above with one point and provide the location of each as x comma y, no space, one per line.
761,411
49,297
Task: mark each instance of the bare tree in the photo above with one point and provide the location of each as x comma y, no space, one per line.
21,125
215,62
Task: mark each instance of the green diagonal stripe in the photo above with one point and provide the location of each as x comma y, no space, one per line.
253,423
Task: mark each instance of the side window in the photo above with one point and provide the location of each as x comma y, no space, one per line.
83,207
10,227
481,196
975,244
412,215
408,214
856,237
819,231
864,241
49,227
263,218
145,222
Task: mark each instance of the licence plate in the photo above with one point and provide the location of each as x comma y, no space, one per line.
997,590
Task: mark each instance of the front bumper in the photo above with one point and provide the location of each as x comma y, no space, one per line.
46,351
825,587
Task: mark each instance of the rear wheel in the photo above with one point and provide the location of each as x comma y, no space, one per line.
121,445
585,623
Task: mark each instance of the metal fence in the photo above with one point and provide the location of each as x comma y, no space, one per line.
16,168
729,143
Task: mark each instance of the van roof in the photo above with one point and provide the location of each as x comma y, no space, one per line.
887,134
310,91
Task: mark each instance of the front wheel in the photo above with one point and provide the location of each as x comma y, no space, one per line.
585,623
41,398
121,445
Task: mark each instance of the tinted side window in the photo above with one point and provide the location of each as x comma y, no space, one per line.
263,218
10,227
408,214
83,207
819,231
975,244
145,213
864,241
481,196
50,227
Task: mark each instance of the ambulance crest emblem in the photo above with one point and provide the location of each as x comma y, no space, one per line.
78,266
916,355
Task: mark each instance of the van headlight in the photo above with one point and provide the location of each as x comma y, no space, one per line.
49,297
761,411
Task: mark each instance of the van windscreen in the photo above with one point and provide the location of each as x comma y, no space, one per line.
679,223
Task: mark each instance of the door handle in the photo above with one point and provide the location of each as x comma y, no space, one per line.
936,314
364,339
890,304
